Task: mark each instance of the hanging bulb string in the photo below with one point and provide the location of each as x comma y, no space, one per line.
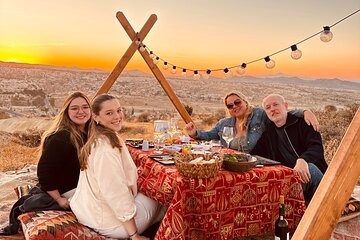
345,18
253,61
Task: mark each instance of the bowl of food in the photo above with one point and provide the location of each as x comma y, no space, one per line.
238,162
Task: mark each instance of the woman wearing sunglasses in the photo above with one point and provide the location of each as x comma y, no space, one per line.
249,123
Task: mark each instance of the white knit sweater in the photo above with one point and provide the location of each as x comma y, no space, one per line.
104,197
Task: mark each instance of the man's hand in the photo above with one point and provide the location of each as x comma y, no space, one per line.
311,119
303,169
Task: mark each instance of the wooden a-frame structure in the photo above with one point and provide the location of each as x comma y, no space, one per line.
153,67
324,210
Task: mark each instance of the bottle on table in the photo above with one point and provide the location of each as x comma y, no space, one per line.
281,224
145,145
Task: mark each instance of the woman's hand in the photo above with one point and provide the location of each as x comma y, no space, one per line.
190,129
63,202
138,237
311,119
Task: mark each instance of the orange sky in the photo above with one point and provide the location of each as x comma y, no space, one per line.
190,34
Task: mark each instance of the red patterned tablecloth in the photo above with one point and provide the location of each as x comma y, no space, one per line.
230,205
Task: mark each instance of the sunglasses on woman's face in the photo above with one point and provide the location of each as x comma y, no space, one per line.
237,103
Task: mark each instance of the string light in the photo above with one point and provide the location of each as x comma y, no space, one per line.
325,36
227,72
156,60
183,73
196,75
241,69
142,48
269,62
165,66
206,75
295,52
137,41
151,55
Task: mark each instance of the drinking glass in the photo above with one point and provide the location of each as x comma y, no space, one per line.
159,135
173,127
228,134
215,145
158,142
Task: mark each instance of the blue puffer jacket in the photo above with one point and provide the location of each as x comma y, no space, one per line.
256,126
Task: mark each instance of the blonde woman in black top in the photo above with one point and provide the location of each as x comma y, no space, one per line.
58,168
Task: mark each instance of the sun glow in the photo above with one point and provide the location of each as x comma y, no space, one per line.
13,60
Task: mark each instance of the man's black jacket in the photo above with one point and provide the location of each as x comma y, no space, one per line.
294,140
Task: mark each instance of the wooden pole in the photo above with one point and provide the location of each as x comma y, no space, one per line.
325,208
129,52
155,70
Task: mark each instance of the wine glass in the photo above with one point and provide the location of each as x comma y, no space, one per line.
159,135
173,127
158,140
228,134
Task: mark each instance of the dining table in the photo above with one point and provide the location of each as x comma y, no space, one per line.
229,205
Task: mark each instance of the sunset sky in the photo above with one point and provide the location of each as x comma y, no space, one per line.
191,34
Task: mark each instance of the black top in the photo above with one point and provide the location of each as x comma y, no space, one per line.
59,166
294,140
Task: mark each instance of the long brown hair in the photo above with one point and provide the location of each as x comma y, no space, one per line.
62,121
249,108
97,130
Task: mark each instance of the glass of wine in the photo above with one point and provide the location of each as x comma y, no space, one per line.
173,130
228,134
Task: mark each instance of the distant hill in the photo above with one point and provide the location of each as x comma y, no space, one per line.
327,83
276,78
138,91
43,66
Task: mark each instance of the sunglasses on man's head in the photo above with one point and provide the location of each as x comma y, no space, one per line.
237,102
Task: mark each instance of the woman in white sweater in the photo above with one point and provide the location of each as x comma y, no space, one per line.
106,198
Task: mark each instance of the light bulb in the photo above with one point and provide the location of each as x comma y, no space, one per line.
241,69
326,35
151,55
183,73
156,60
295,52
227,72
137,41
142,48
173,70
269,62
207,74
196,75
165,66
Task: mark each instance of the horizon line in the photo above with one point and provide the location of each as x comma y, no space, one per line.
177,75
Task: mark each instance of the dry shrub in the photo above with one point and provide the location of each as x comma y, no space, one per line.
213,118
334,123
137,130
29,138
14,156
143,117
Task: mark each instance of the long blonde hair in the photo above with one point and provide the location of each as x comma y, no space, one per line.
97,130
249,108
62,121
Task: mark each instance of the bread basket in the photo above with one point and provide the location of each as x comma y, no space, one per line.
198,165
